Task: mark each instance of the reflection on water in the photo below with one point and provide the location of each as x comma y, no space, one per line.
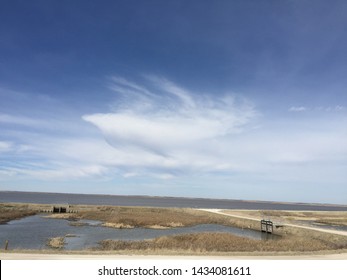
326,226
32,233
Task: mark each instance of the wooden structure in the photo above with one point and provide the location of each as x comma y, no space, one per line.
60,209
266,226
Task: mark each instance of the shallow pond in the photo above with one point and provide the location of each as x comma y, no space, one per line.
326,226
32,233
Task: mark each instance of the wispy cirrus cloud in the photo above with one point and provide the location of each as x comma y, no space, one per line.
20,120
297,109
56,172
162,130
5,146
172,129
336,108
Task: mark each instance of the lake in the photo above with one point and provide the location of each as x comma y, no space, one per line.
89,199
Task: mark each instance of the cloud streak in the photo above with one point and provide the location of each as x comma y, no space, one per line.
5,146
173,129
297,109
169,131
337,108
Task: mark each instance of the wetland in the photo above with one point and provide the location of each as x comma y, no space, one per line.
153,230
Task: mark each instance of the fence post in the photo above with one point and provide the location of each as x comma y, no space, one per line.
6,245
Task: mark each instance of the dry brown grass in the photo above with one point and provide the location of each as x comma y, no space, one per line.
334,218
293,239
305,241
56,242
117,225
66,216
9,212
326,217
212,242
151,217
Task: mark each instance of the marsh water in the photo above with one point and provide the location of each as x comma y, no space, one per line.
34,231
325,226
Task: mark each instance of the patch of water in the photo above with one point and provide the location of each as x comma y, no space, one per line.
326,226
33,232
322,225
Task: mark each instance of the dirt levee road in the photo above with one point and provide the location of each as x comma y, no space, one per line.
238,215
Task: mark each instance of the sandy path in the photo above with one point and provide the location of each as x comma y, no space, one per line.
39,256
218,211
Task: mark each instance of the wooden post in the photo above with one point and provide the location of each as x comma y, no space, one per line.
6,245
266,226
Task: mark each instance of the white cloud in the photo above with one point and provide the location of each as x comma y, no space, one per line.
297,109
157,130
5,146
337,108
175,130
171,88
53,172
182,134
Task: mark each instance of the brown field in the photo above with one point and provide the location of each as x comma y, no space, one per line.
202,243
336,218
155,217
9,212
293,240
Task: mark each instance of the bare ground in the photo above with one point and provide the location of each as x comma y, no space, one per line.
120,256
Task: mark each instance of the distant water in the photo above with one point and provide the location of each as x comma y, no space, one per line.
117,200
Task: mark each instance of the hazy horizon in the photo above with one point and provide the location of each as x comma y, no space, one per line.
179,197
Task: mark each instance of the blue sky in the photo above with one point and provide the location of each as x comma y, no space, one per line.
220,99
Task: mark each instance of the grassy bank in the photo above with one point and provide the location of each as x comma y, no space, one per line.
300,241
9,212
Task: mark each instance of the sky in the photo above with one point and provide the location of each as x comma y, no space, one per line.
215,99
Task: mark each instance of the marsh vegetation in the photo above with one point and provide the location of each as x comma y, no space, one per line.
56,242
9,212
292,239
